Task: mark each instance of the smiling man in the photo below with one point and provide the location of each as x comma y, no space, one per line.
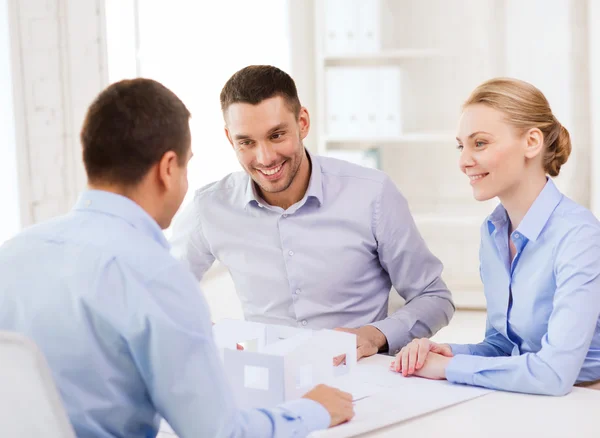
309,241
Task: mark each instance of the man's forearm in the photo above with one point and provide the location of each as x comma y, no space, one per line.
421,317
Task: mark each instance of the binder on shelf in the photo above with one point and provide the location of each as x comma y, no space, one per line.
369,101
339,108
369,26
363,102
352,26
341,26
389,121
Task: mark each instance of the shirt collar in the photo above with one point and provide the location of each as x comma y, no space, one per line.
124,208
497,219
315,184
536,217
314,190
250,195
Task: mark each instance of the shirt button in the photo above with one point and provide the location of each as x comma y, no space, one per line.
297,291
304,322
517,236
285,215
291,253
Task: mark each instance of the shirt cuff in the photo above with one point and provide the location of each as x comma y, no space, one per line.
462,369
390,328
460,349
312,414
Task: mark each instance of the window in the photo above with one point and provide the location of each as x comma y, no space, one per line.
193,49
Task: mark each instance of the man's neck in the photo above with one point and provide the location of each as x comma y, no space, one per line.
297,189
112,188
137,194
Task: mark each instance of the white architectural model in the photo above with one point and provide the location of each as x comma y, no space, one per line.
279,363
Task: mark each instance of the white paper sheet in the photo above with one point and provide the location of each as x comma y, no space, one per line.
356,387
384,397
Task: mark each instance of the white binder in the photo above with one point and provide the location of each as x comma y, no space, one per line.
369,26
341,26
363,102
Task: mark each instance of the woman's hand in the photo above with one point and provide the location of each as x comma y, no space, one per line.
412,357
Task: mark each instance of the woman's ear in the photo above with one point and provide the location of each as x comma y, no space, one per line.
535,143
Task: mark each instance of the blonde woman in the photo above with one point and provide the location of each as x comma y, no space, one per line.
539,255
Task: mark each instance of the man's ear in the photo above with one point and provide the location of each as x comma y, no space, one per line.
535,143
167,168
304,122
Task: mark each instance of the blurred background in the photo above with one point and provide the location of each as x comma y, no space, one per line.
383,81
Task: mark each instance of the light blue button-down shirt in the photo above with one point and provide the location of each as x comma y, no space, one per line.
327,261
125,330
543,306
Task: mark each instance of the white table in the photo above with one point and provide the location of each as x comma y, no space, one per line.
504,414
499,414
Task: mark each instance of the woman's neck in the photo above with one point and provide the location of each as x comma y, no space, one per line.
520,198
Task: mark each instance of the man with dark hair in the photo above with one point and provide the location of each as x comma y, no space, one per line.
309,241
122,324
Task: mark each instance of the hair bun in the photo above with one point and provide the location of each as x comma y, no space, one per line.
559,149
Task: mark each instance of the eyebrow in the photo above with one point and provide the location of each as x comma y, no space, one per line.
271,131
277,128
475,133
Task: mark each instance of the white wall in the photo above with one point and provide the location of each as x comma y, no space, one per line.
59,66
550,51
9,193
593,18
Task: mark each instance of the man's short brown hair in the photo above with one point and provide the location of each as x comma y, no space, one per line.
129,127
255,83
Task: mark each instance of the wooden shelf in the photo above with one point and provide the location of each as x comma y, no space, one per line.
370,143
385,56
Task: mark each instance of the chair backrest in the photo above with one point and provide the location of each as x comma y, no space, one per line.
30,405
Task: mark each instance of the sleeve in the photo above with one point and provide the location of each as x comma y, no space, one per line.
188,243
576,309
172,345
414,271
494,344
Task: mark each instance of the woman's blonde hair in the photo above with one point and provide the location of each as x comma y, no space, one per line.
526,107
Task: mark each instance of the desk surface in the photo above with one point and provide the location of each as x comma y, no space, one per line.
499,414
503,414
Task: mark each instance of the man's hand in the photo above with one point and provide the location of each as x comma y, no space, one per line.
368,342
337,403
434,367
413,355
